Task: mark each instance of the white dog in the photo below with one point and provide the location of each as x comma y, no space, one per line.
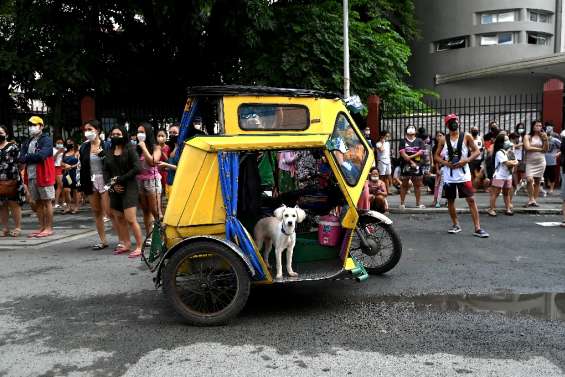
279,231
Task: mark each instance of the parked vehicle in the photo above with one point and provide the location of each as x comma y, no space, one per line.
203,253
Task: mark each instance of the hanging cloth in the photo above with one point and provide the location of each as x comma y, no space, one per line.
229,174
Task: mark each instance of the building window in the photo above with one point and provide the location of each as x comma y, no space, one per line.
537,16
497,39
451,44
539,39
497,17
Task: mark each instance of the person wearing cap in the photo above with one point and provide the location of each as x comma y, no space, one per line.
454,153
37,155
411,149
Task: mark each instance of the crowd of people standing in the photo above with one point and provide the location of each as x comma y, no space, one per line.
114,174
454,163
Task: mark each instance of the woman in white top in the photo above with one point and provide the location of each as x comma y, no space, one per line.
502,177
383,159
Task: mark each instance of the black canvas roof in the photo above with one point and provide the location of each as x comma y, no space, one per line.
240,90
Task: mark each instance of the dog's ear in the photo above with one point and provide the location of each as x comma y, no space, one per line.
279,212
300,213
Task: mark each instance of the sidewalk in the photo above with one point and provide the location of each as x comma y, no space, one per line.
550,205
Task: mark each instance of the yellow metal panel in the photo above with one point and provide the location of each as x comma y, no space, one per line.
196,196
349,264
257,142
175,235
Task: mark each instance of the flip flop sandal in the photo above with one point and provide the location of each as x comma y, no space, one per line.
15,232
491,212
134,254
43,234
33,234
121,251
99,246
509,213
119,246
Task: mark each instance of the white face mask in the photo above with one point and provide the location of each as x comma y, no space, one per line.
59,146
90,135
141,137
34,130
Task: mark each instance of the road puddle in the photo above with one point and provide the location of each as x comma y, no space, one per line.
542,305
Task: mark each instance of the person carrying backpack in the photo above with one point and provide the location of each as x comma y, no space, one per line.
455,153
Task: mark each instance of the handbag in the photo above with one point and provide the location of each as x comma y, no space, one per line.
9,188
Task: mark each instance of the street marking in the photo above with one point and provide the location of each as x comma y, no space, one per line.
549,223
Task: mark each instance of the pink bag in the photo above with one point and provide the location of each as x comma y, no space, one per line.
329,230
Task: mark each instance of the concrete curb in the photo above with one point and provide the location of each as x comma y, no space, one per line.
500,212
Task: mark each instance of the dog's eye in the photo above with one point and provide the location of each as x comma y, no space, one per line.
285,215
293,215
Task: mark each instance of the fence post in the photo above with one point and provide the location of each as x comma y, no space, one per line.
87,109
553,103
374,116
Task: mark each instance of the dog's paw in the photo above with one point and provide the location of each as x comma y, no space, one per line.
293,274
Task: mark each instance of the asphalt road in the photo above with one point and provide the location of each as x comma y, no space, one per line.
66,310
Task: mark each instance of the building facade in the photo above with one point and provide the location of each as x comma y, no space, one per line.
488,47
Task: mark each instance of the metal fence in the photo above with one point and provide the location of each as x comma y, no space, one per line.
160,116
507,111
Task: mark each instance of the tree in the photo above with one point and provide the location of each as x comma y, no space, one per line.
141,51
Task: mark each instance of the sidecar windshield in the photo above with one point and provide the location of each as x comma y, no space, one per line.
348,150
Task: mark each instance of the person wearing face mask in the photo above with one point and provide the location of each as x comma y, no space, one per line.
12,195
519,180
504,162
58,152
148,178
384,162
476,164
91,177
165,154
377,191
70,164
551,173
171,164
121,167
491,135
411,149
454,153
37,155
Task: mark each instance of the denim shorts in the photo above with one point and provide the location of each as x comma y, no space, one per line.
150,186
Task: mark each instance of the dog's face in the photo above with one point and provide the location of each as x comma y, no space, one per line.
290,216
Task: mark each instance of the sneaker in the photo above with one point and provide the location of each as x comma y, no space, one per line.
402,207
421,206
438,205
480,233
454,229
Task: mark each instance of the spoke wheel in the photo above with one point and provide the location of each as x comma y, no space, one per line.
207,283
384,246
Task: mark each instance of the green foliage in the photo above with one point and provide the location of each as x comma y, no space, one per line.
146,51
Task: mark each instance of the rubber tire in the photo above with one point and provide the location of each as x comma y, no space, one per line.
397,246
239,267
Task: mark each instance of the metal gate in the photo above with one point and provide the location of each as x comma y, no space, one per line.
507,111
